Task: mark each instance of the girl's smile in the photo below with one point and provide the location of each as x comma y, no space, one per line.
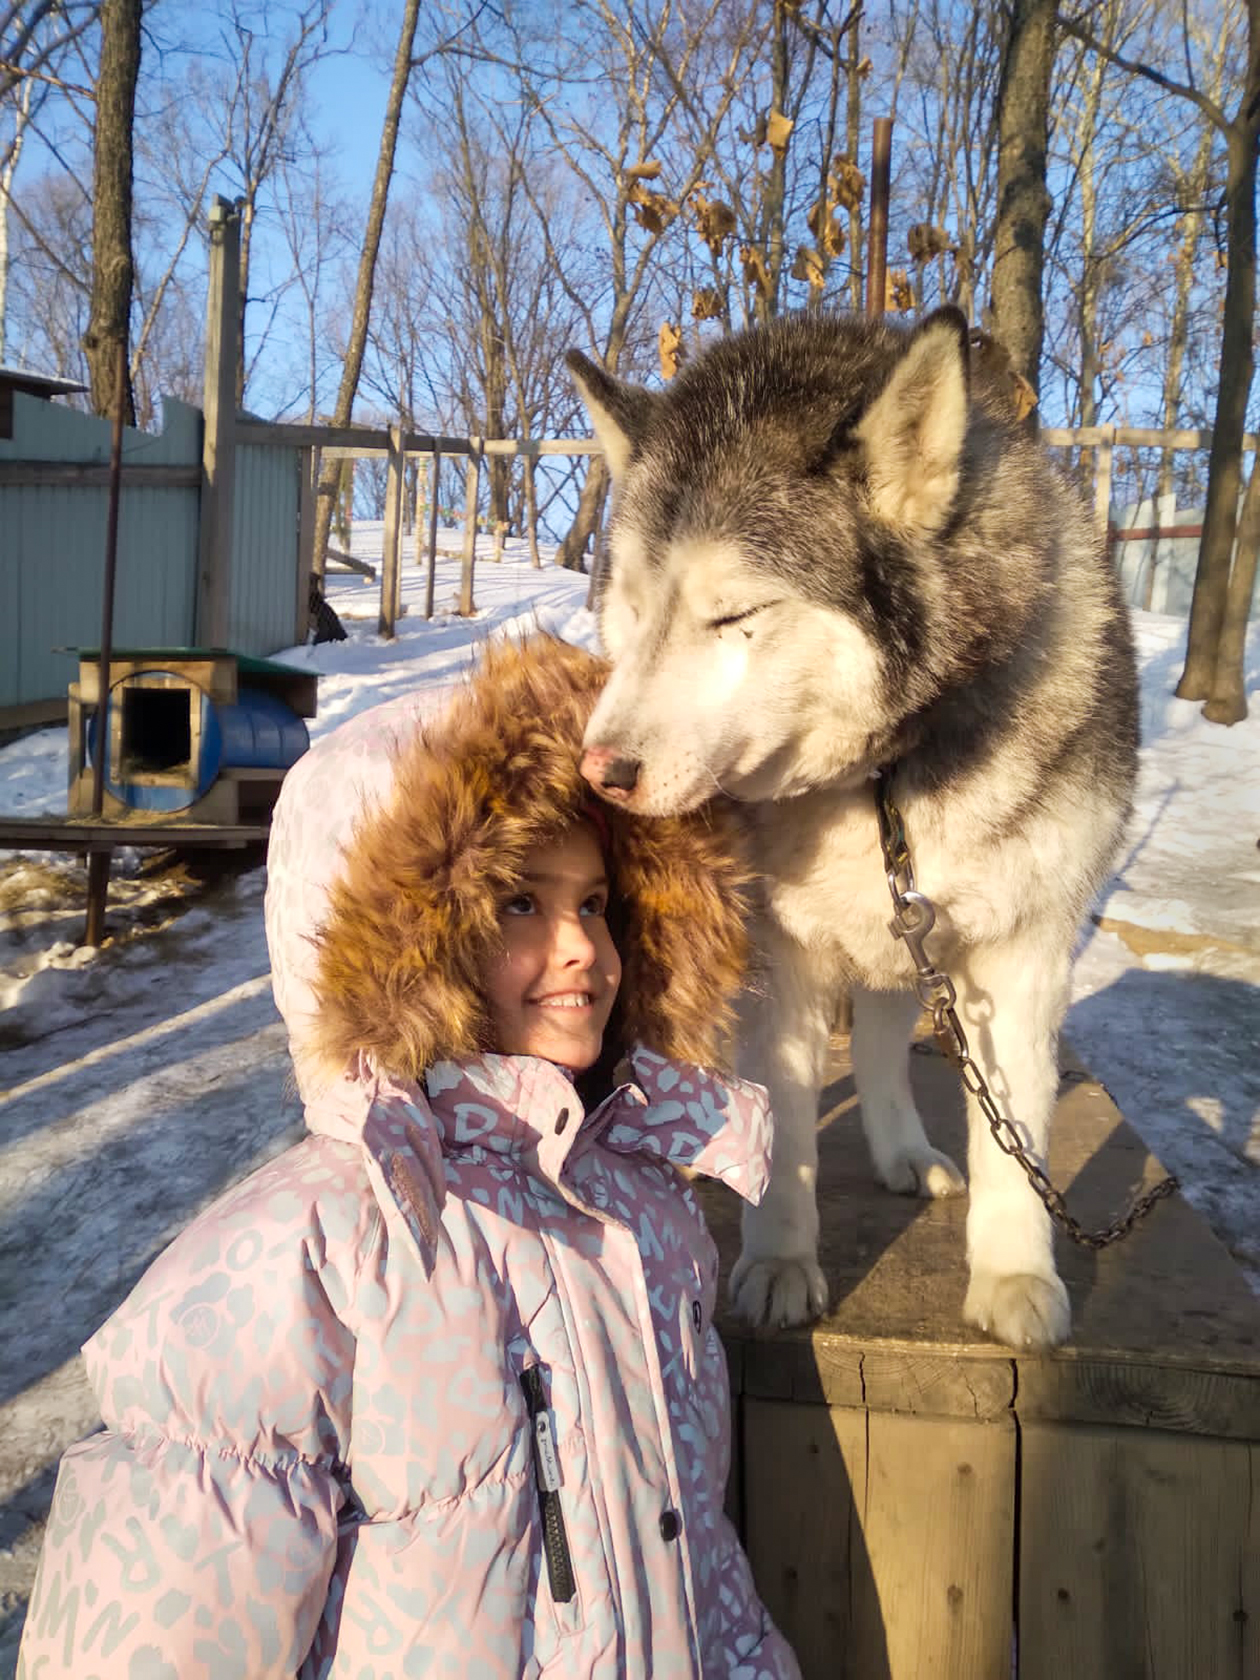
551,987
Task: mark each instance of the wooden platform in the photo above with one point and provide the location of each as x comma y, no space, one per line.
105,834
919,1502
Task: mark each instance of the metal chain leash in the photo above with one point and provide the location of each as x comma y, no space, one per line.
914,917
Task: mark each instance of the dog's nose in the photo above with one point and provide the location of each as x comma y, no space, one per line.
607,770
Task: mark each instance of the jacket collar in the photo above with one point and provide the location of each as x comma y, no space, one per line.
526,1109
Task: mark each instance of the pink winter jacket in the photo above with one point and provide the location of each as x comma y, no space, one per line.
437,1392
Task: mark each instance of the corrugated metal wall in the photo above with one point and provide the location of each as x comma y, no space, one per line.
263,604
52,547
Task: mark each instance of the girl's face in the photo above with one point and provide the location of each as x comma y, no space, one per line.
551,986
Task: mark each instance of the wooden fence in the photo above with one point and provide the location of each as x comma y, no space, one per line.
397,446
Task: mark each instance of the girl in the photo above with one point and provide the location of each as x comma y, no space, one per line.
437,1391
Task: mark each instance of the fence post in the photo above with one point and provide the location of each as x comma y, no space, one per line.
531,511
391,560
472,485
214,537
307,469
433,519
1102,479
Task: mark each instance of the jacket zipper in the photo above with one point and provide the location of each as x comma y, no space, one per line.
547,1481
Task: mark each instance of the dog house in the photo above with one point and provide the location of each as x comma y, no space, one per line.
201,735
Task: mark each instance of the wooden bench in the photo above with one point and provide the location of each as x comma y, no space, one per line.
921,1504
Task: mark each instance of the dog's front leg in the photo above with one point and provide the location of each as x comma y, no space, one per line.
904,1160
1011,1000
783,1045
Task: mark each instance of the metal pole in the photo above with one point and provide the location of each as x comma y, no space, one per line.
98,862
877,244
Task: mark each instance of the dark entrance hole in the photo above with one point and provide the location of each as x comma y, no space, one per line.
156,732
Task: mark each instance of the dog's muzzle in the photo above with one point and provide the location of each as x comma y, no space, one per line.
609,773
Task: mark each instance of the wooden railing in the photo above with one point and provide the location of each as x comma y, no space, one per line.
396,445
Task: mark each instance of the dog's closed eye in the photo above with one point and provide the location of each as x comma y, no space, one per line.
739,617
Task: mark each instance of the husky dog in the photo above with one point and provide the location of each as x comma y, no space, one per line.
833,551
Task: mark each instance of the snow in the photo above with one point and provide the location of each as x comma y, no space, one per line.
144,1078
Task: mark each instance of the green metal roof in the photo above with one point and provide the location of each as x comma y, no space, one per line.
244,661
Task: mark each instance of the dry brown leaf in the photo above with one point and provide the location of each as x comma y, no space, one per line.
778,132
707,304
755,272
864,68
898,292
848,184
643,171
991,360
715,221
925,241
809,265
669,347
825,227
652,210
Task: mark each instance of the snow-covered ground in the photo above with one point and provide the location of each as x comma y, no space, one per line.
142,1079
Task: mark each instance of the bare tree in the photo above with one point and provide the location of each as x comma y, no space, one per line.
356,344
640,144
1023,200
112,263
1212,671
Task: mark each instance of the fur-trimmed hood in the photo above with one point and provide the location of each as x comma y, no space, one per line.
396,838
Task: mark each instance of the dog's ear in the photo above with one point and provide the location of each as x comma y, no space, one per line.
913,432
619,412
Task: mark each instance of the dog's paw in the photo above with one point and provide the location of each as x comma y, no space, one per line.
778,1292
921,1172
1022,1309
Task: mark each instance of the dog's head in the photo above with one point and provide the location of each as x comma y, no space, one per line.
773,576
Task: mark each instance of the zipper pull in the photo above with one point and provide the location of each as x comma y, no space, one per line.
546,1458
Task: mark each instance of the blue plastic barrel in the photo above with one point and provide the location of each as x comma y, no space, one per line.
257,732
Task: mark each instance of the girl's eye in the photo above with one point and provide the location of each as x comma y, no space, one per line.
595,905
520,904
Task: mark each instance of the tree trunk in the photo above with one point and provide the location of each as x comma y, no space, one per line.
110,309
587,520
853,135
1228,701
1211,581
1023,201
353,365
774,193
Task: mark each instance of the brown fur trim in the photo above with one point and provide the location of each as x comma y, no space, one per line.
413,919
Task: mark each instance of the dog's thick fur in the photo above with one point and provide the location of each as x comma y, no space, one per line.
829,553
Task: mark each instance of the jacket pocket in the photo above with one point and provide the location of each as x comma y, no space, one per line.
547,1482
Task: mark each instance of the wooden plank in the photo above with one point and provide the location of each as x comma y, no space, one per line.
431,560
1102,477
305,544
52,834
800,1467
391,561
63,473
1165,1326
214,546
347,562
937,1517
531,511
336,441
882,1546
1143,437
466,607
1139,1556
34,714
1143,1394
